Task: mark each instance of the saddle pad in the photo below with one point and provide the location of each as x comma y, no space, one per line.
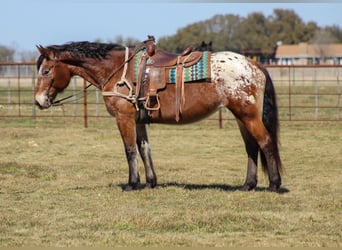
199,71
136,61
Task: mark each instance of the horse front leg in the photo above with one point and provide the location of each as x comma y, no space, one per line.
145,153
127,128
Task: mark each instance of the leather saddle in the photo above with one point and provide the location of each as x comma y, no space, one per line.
162,58
153,73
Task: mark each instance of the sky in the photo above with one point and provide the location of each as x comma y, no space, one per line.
27,23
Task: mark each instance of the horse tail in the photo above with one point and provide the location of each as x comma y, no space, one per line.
271,121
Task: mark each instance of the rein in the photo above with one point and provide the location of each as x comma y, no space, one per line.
123,81
62,101
124,64
131,97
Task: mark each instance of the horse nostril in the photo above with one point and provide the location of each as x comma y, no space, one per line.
38,105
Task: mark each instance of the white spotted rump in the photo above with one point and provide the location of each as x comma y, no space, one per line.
233,73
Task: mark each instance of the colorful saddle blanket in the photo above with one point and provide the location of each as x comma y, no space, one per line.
195,72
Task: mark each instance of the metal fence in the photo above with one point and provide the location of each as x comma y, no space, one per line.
304,93
308,93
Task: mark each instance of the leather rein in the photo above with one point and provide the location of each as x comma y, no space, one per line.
131,97
123,81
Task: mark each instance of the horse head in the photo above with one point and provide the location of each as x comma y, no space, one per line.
53,77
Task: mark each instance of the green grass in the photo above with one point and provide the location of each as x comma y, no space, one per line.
61,185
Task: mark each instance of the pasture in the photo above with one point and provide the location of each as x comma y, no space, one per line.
61,185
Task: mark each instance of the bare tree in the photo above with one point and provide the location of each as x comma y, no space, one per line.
6,54
322,41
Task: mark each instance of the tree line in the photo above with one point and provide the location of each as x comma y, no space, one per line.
254,32
232,32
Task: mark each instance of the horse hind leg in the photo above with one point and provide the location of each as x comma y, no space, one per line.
269,152
252,150
145,153
271,163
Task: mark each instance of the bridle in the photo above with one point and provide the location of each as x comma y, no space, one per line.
49,99
131,97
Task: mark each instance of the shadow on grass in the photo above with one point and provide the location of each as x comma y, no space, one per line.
223,187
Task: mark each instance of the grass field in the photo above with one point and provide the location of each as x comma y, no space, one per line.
61,185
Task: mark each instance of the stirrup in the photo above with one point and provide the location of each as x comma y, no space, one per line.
148,102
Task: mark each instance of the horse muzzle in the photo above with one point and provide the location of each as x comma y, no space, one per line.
42,101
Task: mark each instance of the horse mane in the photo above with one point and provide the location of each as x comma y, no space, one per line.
79,50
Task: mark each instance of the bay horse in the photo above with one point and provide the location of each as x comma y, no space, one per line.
238,83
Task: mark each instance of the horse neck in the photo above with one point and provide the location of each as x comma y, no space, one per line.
98,71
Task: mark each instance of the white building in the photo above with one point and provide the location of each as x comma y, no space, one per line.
304,54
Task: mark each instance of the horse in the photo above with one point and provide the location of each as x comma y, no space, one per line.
205,46
237,83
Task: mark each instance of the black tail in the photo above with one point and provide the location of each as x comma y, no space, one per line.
271,120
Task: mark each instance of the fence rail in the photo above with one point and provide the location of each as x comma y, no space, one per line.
304,93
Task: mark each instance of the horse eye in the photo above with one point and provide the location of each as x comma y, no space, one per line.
45,72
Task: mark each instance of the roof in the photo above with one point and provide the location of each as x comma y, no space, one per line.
304,50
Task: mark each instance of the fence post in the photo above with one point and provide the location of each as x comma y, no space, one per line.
338,93
97,103
9,97
316,93
290,89
33,72
19,88
74,92
85,104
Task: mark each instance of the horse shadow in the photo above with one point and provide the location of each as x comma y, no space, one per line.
189,186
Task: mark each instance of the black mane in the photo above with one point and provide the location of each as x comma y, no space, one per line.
86,49
82,49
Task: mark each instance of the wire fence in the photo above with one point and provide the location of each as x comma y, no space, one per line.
304,93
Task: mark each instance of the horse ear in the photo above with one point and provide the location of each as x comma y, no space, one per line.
45,52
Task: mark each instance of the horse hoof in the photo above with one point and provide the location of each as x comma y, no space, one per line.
130,188
274,188
127,189
150,185
246,187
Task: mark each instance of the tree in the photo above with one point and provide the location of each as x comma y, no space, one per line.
27,56
286,26
321,40
254,32
6,54
191,35
220,29
128,41
323,36
235,33
334,31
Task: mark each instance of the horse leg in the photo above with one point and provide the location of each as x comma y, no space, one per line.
269,151
252,150
127,128
145,153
